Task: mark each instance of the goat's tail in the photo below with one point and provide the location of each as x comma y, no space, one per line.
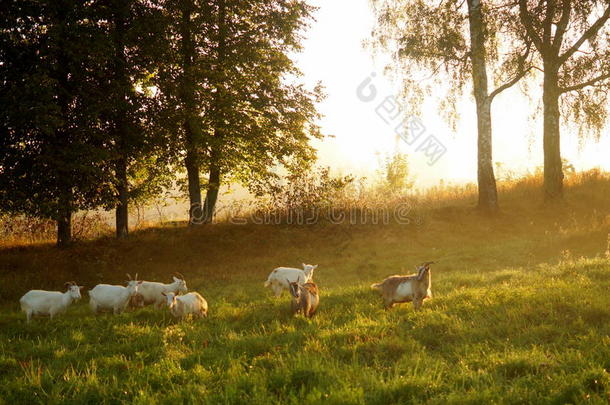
376,286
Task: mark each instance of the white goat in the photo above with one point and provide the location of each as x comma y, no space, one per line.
115,297
280,278
182,305
51,303
152,291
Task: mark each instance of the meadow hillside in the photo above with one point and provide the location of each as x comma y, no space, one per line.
520,314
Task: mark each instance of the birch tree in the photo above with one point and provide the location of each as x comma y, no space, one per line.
455,42
572,40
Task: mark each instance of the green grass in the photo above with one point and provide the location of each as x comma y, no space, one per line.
520,314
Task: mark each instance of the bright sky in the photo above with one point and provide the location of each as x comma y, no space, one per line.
335,55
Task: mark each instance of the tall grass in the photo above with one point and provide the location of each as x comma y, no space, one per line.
24,230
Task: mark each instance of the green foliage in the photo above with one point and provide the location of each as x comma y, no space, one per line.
101,100
303,193
49,128
239,91
430,47
573,48
130,48
394,174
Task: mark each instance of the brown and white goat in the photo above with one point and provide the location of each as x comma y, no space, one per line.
414,287
305,298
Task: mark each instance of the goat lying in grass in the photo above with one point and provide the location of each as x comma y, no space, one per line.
414,287
182,305
51,303
305,298
280,278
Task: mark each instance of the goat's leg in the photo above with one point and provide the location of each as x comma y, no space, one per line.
307,309
312,311
277,289
417,301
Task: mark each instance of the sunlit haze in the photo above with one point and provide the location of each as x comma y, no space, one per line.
334,54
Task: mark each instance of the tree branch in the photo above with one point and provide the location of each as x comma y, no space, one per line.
584,84
538,68
562,25
547,25
525,17
589,33
509,83
522,72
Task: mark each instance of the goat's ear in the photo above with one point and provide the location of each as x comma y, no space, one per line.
315,267
175,278
304,265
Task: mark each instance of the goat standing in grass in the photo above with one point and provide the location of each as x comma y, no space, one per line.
153,292
136,301
113,297
51,303
280,278
305,298
414,287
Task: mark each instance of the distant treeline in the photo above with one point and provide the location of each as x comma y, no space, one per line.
103,102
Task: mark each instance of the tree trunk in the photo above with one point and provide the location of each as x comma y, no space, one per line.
122,129
194,184
191,129
64,221
488,194
212,194
553,171
122,212
64,210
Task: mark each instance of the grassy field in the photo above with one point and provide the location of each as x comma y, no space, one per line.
520,314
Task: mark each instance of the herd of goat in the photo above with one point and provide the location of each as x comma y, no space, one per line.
181,303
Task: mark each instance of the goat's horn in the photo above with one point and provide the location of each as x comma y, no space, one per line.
136,277
180,275
128,275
